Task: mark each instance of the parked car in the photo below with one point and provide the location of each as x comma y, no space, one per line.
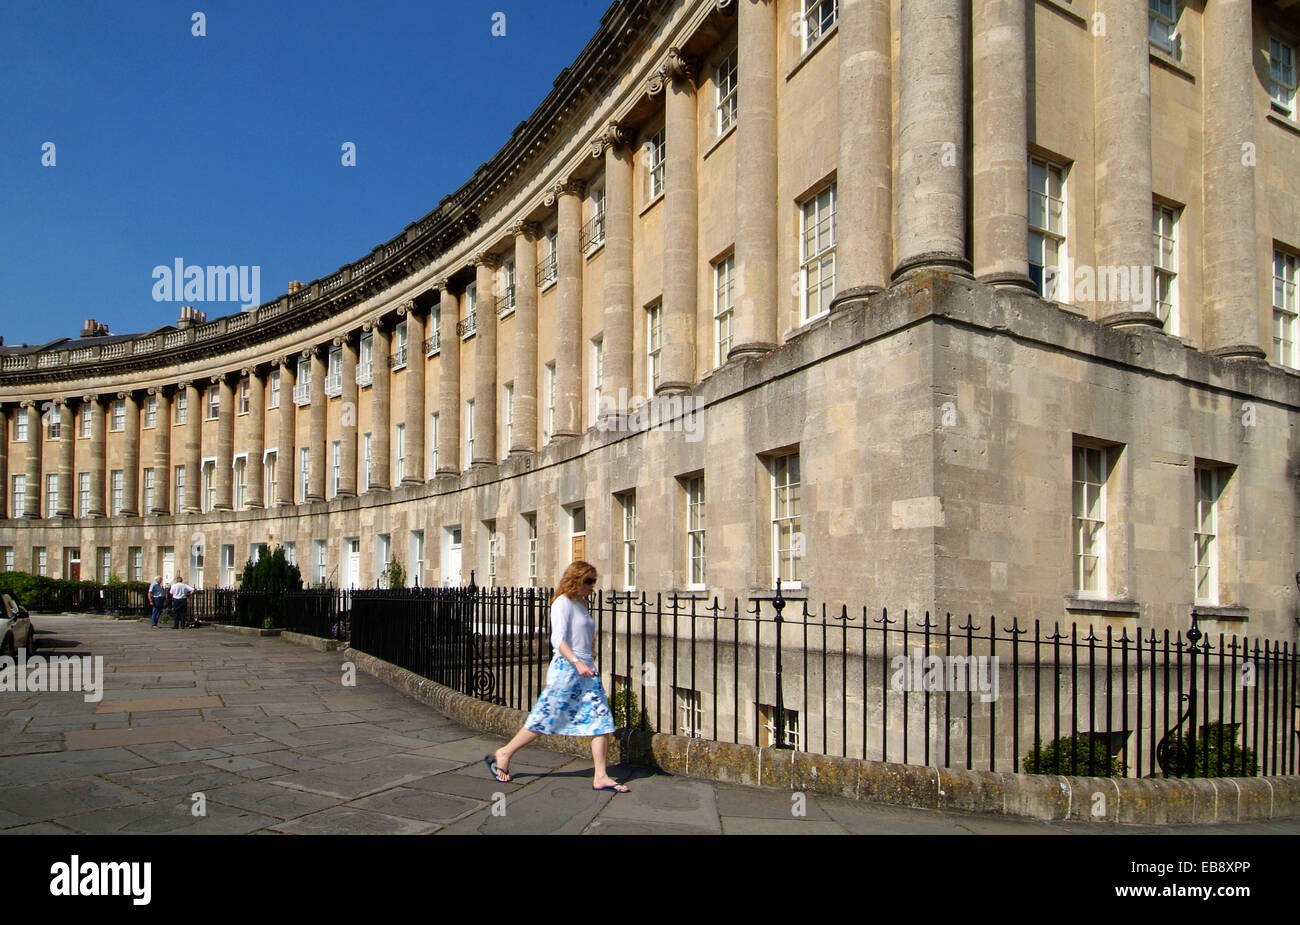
16,630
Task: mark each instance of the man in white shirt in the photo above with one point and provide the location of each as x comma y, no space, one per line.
180,592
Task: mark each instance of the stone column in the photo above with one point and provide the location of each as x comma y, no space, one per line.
254,471
131,456
615,146
525,430
1001,144
348,416
193,446
449,377
1122,141
5,424
225,444
754,331
317,455
67,456
413,466
162,452
1230,325
98,454
35,447
568,320
864,194
286,464
485,362
381,408
931,206
681,221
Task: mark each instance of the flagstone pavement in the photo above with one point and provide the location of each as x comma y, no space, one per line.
262,736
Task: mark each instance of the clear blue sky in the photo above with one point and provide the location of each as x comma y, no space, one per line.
226,149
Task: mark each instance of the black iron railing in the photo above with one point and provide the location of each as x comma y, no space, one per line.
87,598
321,612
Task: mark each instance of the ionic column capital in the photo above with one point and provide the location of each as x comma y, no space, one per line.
569,187
614,136
123,395
526,229
676,67
406,308
486,259
158,390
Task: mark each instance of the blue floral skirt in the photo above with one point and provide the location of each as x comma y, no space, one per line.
571,705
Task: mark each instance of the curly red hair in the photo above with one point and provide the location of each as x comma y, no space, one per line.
573,582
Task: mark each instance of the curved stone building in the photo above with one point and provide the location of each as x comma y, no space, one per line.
982,306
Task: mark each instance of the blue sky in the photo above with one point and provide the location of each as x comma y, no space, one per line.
226,148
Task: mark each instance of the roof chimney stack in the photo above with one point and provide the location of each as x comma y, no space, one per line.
190,316
93,328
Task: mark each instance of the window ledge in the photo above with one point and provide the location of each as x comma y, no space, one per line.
501,317
717,142
654,201
788,593
1164,59
1114,607
1278,119
1068,11
813,49
594,249
550,283
1216,612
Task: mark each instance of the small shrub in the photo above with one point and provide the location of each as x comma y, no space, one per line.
1082,755
626,714
394,575
1216,753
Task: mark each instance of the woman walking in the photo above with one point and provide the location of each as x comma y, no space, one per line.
573,703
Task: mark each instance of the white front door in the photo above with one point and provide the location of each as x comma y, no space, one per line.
451,545
352,562
168,564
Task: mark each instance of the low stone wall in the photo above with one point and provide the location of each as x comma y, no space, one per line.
242,630
1038,796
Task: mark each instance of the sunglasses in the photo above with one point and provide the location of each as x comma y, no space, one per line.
589,581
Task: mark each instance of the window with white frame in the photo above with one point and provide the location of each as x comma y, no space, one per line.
366,360
8,552
415,556
724,79
469,433
656,153
507,418
304,473
549,271
54,419
1286,306
302,388
383,556
433,443
87,419
597,375
178,479
336,467
1164,242
1162,18
1091,466
273,389
182,406
119,415
105,555
20,425
227,566
767,719
627,511
1047,239
269,459
530,521
19,495
41,560
334,373
291,553
493,546
724,305
214,403
433,343
506,302
787,534
1209,489
136,554
548,419
245,397
1282,77
593,235
654,343
209,484
399,454
240,498
399,345
118,482
319,568
690,712
695,575
469,311
151,412
51,496
148,492
83,494
818,18
365,462
817,253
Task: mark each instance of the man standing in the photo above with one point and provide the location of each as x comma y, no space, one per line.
157,596
180,592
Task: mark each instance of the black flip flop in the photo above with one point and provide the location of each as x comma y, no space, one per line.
495,769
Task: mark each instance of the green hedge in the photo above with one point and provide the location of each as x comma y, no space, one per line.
40,592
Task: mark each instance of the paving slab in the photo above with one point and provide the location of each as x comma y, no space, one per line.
270,800
423,805
354,822
360,778
78,740
41,803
